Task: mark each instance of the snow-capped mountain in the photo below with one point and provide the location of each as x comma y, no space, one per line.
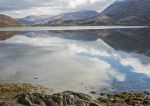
33,19
78,15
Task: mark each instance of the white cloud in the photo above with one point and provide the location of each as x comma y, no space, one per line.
134,61
19,8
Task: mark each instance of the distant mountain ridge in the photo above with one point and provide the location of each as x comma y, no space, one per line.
6,21
33,19
121,12
77,15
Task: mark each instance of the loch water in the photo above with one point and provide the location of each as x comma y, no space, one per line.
85,61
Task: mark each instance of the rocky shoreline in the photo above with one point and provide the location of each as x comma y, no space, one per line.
30,95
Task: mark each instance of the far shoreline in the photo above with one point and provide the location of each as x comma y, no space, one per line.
66,28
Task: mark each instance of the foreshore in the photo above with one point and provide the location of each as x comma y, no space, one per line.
34,95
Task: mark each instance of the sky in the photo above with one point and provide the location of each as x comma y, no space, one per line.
21,8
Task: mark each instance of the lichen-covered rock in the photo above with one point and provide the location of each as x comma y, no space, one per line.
29,95
7,103
59,99
30,99
126,98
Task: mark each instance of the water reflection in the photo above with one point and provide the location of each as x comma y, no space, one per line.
130,40
6,35
65,64
75,35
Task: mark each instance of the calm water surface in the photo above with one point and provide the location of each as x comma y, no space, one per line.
76,61
62,28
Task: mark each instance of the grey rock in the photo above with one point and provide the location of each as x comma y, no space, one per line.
59,99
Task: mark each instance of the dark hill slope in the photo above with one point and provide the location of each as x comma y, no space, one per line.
6,21
129,12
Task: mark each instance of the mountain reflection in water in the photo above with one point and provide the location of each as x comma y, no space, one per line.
66,61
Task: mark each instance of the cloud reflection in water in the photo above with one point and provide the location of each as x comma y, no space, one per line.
67,64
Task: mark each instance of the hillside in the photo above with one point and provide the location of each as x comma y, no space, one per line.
6,21
77,15
127,12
